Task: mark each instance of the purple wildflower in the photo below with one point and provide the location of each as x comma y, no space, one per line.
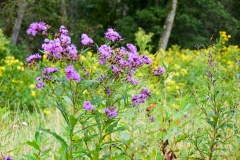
105,51
53,47
152,119
88,106
146,92
40,84
72,74
102,61
140,98
132,80
132,48
72,50
63,30
86,40
108,91
7,158
146,60
37,26
111,112
114,69
159,71
113,35
49,70
33,57
65,40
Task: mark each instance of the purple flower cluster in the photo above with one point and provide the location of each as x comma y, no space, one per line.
71,74
37,26
88,106
47,76
123,60
53,48
59,46
49,70
113,35
159,71
86,40
111,111
104,52
140,98
7,158
40,84
33,57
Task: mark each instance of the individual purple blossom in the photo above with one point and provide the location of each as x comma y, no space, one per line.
49,70
140,98
33,57
151,119
159,71
53,47
71,74
115,69
37,26
40,84
72,50
88,106
108,91
105,51
7,158
146,92
63,30
102,61
132,80
111,112
113,35
86,40
132,48
146,60
134,60
65,40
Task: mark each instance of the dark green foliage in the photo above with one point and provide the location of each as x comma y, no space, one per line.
195,22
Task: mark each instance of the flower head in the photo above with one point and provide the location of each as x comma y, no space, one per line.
111,112
86,40
49,70
40,84
159,71
72,74
146,60
37,26
88,106
7,158
33,57
113,35
63,30
105,51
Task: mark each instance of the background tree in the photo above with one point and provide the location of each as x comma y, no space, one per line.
168,24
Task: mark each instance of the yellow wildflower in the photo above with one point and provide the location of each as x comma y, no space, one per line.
46,111
83,58
33,93
32,86
89,54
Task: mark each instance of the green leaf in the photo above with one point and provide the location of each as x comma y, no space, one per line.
59,138
34,144
28,156
38,136
73,121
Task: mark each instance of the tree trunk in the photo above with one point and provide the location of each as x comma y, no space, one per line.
168,25
18,23
64,13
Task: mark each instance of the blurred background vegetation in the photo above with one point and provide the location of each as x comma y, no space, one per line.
195,21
